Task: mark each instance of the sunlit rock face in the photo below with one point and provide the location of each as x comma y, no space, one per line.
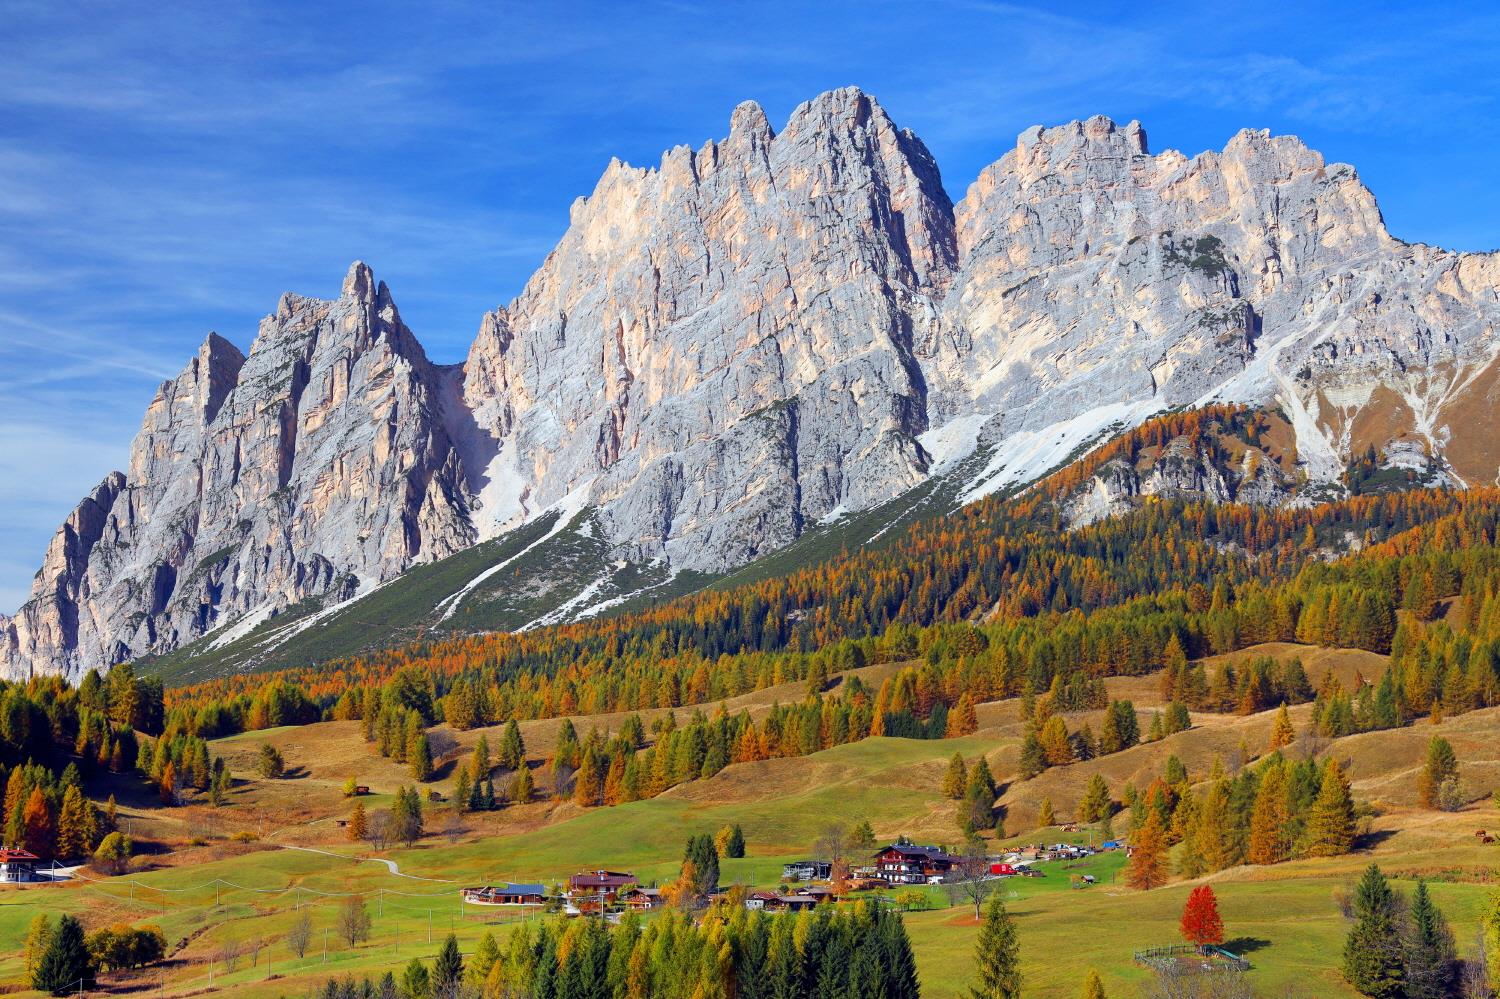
318,463
760,334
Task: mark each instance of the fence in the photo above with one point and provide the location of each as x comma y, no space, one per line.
1209,958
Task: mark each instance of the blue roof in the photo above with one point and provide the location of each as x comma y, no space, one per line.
514,889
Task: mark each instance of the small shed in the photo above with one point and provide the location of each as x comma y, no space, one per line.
506,894
794,903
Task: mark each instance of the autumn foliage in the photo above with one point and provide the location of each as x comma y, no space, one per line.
1201,924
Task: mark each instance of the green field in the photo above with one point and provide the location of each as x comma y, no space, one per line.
1284,919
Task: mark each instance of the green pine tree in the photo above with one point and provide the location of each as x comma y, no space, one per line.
512,748
463,792
1096,802
1489,928
448,969
420,757
415,982
66,965
997,954
1372,953
957,777
1430,954
1033,757
485,956
1442,764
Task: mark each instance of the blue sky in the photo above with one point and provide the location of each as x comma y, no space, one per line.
167,169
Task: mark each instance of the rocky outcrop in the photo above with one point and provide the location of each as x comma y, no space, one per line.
759,334
318,465
1183,468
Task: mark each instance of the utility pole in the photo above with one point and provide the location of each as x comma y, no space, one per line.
429,926
325,945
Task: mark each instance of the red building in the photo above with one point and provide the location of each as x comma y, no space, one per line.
18,865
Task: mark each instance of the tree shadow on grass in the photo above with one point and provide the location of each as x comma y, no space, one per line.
1245,945
1371,840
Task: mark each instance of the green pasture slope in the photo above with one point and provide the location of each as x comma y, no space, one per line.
1284,919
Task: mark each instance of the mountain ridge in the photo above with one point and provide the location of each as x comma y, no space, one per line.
762,336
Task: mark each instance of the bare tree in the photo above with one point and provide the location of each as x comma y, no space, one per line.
379,828
971,873
1310,745
299,935
442,745
451,825
1225,985
229,954
832,844
253,948
562,780
1473,974
1179,981
354,920
1343,897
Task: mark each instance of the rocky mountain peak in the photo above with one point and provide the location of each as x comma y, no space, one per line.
770,331
1096,137
359,283
217,364
749,124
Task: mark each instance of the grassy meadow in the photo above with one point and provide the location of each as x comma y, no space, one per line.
212,895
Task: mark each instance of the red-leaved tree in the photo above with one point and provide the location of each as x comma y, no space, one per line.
1201,924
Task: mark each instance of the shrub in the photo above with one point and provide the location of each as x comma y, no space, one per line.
1451,796
127,946
270,762
113,854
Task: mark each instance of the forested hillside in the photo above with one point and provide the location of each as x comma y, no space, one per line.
998,600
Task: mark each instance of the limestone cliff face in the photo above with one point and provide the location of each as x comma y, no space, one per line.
317,464
1097,278
721,349
759,334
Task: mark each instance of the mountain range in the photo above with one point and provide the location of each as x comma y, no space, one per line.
759,350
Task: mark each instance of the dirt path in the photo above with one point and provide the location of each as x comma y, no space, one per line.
390,864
